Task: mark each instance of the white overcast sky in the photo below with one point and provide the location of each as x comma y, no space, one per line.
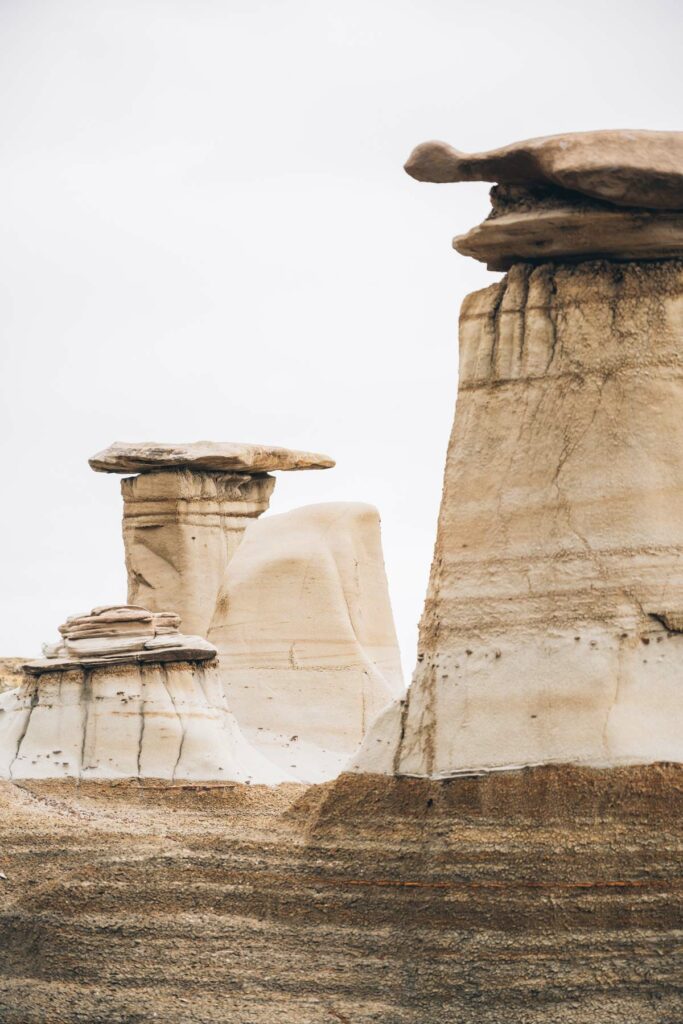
206,232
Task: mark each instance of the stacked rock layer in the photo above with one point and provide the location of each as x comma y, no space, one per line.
125,696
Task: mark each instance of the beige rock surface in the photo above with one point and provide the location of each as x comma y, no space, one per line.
10,673
566,232
125,721
550,630
180,530
216,456
625,167
305,634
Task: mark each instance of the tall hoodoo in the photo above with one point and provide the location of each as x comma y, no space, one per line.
553,626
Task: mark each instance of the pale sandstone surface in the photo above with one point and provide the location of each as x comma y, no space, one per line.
297,605
548,896
180,530
557,574
624,167
216,456
130,720
307,646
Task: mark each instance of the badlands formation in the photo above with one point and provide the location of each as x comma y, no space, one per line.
553,625
291,651
506,844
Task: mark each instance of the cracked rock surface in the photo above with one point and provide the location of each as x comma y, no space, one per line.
131,720
558,567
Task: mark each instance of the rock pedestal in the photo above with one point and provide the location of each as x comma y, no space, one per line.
297,605
185,514
551,630
180,530
125,696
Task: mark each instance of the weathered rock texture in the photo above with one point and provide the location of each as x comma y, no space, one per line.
624,167
180,530
130,720
297,605
615,194
551,627
305,635
545,224
208,456
10,673
548,896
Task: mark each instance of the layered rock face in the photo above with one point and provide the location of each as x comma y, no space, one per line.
125,695
296,605
551,627
131,720
546,896
308,649
180,531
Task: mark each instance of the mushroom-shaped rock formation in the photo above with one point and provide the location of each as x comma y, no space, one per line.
551,627
306,638
614,194
185,513
125,695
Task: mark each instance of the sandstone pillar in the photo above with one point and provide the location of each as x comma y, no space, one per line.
185,514
552,626
180,529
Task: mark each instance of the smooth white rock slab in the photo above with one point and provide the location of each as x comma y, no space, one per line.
307,646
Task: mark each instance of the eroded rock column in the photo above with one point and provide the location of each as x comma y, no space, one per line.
551,629
185,513
180,529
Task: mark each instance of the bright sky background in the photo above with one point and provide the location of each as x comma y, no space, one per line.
207,233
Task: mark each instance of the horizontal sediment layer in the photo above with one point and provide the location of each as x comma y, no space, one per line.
545,895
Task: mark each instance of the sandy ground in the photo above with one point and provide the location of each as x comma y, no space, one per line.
550,895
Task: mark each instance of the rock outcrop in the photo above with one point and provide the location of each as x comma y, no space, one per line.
180,530
615,194
543,224
624,167
550,627
297,605
185,513
125,696
305,634
207,456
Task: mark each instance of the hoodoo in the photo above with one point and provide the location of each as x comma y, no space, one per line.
185,512
552,626
297,605
125,695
